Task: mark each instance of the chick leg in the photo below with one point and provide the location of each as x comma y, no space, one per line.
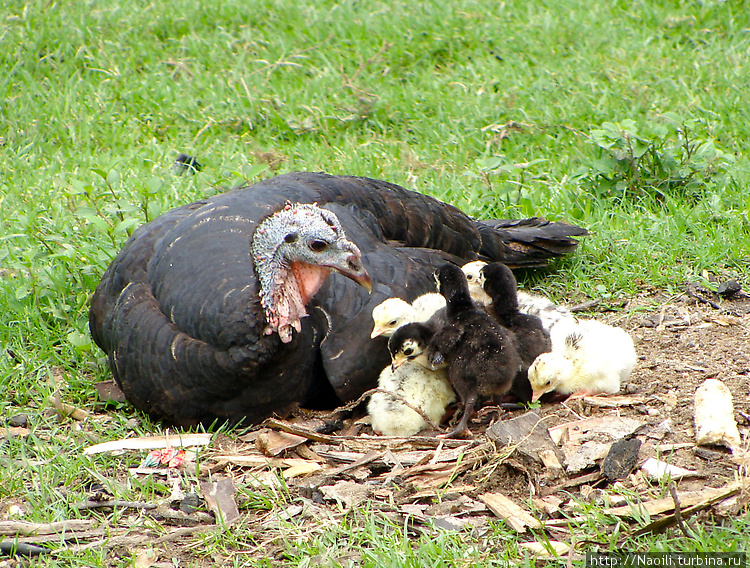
462,428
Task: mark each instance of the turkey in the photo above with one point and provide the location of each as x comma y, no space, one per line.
223,310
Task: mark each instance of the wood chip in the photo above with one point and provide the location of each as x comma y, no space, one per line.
151,443
714,415
515,515
611,427
621,459
687,499
346,493
662,471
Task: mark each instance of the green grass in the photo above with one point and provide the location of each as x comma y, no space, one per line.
488,105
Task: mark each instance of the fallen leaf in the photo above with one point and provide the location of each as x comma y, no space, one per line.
219,496
543,548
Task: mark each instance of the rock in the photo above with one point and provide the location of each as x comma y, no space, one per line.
19,420
621,459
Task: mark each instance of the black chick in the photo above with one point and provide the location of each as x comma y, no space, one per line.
481,354
532,339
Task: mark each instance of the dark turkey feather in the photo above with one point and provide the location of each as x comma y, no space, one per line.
179,316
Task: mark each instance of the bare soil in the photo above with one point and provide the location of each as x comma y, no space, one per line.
434,485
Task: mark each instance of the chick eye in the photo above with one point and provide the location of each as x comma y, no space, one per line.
393,322
408,351
318,246
548,383
470,277
290,238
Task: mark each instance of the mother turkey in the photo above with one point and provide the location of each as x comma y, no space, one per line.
222,311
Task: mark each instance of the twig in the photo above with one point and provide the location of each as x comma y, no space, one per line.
26,528
677,511
585,306
367,458
299,431
91,504
398,397
15,548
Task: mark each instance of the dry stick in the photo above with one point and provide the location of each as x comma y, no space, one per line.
677,511
91,504
26,528
398,397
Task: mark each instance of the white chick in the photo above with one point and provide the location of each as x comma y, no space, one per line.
392,313
588,357
427,390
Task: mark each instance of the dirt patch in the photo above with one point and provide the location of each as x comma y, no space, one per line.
335,466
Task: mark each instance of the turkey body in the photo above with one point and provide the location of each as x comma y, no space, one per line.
179,316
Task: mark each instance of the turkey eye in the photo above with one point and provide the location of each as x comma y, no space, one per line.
318,246
290,238
408,351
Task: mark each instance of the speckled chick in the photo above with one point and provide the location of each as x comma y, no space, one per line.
427,390
481,354
589,357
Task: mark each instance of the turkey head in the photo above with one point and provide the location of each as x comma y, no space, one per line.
294,250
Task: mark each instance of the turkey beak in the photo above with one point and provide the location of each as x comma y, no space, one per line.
351,266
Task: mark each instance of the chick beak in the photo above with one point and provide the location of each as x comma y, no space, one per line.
536,394
398,360
377,331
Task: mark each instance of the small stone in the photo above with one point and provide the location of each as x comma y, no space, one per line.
728,288
621,459
190,503
19,420
132,423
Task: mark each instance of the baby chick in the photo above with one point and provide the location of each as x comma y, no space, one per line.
588,357
532,304
501,287
481,354
392,313
427,390
409,377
